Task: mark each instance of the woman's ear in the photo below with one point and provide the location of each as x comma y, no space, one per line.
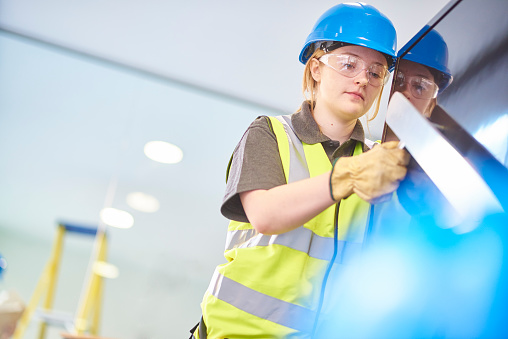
315,70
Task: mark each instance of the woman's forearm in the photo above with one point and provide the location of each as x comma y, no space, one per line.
286,207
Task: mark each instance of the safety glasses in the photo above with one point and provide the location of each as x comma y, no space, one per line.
350,66
420,87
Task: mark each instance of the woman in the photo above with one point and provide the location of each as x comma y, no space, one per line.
283,195
423,71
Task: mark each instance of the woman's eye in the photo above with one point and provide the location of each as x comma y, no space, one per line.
375,75
418,88
349,66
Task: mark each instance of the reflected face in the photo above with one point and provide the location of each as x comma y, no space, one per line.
348,97
420,91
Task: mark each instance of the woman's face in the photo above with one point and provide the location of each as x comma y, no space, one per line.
348,98
413,69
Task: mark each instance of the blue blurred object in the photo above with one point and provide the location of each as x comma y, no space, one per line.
425,283
3,265
81,229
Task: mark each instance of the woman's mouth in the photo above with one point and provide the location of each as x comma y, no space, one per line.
356,95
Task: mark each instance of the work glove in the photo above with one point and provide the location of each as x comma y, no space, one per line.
371,175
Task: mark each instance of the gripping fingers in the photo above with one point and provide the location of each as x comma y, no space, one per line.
394,148
390,145
397,156
398,173
403,156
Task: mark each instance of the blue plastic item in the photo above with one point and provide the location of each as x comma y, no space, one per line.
81,229
353,23
431,51
3,265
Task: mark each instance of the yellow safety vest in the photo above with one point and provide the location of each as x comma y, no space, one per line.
270,287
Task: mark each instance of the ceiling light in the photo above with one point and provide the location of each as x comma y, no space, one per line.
105,270
116,218
143,202
164,152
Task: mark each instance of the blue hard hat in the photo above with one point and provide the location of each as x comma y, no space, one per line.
353,23
430,51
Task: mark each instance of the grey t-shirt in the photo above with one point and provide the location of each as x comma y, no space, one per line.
256,161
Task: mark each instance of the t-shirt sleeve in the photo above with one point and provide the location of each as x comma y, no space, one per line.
255,165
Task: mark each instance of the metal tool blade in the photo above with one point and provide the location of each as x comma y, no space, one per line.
457,180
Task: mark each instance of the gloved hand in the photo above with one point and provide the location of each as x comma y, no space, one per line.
371,175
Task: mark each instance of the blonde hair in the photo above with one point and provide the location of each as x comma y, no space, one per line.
309,86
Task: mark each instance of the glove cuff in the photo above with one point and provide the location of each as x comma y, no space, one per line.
330,181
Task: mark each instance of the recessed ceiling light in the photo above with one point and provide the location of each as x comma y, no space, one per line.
164,152
143,202
105,270
116,218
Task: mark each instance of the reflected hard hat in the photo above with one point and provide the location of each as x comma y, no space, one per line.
430,51
353,23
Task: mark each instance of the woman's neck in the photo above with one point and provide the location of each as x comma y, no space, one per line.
332,126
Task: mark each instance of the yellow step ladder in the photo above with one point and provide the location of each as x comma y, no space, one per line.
87,316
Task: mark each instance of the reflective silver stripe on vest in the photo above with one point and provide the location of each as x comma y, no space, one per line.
235,238
298,168
300,239
261,305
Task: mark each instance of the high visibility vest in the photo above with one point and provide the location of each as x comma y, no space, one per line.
270,286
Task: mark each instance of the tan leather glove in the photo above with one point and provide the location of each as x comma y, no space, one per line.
371,175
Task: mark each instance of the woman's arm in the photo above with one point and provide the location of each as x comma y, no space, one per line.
370,175
286,207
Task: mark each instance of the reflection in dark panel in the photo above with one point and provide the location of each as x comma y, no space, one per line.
454,72
476,37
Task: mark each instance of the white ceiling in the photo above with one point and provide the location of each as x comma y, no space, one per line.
194,73
246,49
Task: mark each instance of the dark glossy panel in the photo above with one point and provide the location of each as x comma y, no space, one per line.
455,72
472,48
477,37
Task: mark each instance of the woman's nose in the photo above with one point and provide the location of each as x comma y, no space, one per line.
362,78
403,88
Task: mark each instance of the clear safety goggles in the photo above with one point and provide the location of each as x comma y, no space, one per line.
350,66
420,87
